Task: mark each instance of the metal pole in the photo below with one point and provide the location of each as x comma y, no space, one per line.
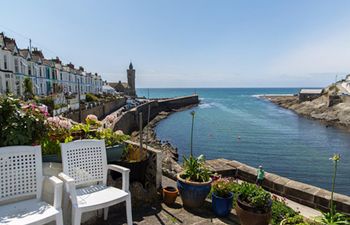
148,118
149,112
192,113
140,133
79,100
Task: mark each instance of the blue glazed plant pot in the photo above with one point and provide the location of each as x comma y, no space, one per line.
221,206
193,194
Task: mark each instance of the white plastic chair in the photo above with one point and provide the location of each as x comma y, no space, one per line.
85,175
21,182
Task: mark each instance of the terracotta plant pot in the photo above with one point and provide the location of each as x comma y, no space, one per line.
247,216
170,195
193,194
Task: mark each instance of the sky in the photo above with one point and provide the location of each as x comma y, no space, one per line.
191,43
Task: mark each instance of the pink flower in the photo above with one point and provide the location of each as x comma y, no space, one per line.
91,117
54,120
65,124
110,118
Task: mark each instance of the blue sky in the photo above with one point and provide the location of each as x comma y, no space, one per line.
191,43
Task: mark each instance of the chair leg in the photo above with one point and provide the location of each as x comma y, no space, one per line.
59,219
76,216
128,210
105,213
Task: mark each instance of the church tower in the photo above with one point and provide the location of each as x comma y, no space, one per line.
131,80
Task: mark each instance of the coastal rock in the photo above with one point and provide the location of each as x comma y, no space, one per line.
338,115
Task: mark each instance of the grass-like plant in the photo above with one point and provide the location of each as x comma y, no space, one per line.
195,170
333,217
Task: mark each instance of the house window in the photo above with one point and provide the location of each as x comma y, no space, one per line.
30,70
16,66
5,62
7,87
40,72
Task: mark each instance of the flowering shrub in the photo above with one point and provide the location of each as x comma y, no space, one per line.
222,187
255,196
58,132
92,120
21,124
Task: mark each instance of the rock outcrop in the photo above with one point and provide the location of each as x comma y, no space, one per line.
336,115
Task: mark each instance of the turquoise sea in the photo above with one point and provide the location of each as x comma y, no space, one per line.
280,140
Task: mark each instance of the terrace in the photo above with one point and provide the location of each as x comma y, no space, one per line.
55,138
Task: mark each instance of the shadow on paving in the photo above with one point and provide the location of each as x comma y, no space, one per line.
161,214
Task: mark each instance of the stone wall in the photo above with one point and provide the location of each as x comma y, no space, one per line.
100,111
129,121
305,194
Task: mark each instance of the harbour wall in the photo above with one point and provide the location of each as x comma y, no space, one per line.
100,111
305,194
129,121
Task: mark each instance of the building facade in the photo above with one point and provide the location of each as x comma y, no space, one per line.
48,76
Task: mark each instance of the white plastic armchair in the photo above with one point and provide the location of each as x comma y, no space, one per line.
85,176
21,182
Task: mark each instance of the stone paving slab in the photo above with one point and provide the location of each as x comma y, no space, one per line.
161,214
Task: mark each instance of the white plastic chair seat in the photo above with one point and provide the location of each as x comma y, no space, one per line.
27,212
96,195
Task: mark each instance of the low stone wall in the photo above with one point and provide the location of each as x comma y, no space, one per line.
100,111
129,121
305,194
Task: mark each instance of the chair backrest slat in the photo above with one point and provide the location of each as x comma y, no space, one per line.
20,172
85,161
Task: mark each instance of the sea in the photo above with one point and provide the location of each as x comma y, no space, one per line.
237,124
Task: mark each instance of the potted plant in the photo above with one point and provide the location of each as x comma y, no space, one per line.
222,197
194,182
135,159
114,143
170,194
253,205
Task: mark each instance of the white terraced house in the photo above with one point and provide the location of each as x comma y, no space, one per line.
48,75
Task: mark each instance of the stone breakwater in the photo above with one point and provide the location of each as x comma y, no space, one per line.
318,109
170,165
129,123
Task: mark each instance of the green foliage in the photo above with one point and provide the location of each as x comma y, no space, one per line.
281,211
20,125
111,138
91,97
28,88
222,187
294,220
255,196
195,170
333,217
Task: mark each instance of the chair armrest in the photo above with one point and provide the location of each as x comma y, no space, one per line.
70,186
125,175
57,183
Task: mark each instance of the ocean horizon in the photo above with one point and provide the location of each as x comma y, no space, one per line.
234,123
